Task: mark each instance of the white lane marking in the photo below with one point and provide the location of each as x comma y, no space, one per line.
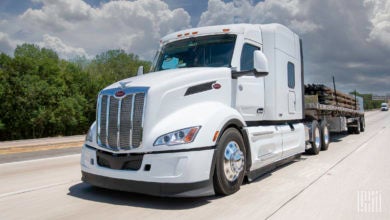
37,188
362,147
42,159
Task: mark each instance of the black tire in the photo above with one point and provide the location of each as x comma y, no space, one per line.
325,135
362,124
357,129
224,184
316,137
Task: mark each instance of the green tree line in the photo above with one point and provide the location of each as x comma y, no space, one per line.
42,95
368,103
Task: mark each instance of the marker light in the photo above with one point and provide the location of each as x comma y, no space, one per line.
183,136
215,136
226,30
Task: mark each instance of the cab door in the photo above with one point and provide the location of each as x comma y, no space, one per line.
250,90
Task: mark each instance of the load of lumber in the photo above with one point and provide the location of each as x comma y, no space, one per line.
318,93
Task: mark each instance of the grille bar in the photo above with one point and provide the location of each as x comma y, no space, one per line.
120,120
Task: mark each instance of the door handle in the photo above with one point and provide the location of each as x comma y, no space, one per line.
260,110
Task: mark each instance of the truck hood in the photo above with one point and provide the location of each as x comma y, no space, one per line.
173,76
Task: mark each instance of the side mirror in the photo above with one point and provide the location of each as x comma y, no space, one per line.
140,70
260,63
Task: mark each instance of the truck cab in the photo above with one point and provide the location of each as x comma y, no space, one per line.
221,103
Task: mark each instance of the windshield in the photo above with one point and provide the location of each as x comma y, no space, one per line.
384,105
207,51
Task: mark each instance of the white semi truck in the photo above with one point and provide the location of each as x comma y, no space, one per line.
222,103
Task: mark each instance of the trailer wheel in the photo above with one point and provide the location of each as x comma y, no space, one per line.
316,138
325,135
230,163
357,129
362,124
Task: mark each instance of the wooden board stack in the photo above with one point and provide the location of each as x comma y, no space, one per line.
317,93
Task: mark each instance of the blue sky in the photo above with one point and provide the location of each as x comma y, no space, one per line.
347,39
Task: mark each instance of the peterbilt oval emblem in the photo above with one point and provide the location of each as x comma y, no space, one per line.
120,93
217,86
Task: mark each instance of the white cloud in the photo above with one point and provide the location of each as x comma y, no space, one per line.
58,15
61,48
135,26
220,12
292,13
380,20
6,44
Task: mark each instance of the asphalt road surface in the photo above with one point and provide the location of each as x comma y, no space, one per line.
349,181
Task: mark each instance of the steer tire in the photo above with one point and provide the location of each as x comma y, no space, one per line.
222,184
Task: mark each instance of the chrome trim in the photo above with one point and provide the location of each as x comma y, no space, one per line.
262,133
107,116
118,123
131,92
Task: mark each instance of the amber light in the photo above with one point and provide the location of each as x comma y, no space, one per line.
190,136
215,136
226,30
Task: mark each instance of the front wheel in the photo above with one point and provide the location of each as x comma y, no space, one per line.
230,163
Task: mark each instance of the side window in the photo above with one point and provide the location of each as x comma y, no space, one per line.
291,75
247,57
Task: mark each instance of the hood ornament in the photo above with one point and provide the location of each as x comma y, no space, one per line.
124,83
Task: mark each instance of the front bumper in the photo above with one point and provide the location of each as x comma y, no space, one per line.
176,174
202,188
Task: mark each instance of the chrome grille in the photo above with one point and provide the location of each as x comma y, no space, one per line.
120,120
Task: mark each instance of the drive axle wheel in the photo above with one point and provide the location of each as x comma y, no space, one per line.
230,163
316,138
325,135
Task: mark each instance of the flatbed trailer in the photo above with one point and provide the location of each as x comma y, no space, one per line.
322,119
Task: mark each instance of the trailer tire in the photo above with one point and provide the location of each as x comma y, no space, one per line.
362,124
230,163
357,129
316,138
325,136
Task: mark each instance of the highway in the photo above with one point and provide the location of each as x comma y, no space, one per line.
349,181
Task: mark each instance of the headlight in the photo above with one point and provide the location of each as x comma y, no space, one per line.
89,135
183,136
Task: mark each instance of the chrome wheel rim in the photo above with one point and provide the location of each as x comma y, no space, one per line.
234,160
318,139
326,135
